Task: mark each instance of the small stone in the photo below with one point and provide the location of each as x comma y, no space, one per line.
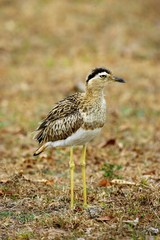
94,212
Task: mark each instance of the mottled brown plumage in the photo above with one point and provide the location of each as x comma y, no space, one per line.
68,115
63,120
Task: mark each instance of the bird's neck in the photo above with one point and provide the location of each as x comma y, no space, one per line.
94,93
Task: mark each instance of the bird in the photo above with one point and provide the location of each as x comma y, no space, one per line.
76,120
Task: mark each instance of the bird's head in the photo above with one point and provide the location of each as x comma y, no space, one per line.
100,76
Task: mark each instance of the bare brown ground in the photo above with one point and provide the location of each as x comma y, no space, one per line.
46,49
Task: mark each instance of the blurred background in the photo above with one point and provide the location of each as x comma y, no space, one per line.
48,47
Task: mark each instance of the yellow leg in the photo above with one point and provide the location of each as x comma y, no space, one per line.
72,166
83,165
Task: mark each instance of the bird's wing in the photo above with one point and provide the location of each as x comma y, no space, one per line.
63,120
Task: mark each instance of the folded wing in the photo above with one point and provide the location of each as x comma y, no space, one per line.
62,121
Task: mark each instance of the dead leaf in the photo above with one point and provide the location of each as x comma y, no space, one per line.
29,166
105,218
104,144
132,222
152,172
104,182
49,182
9,193
45,181
1,192
123,182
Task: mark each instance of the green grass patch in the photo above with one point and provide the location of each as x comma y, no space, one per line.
5,214
111,171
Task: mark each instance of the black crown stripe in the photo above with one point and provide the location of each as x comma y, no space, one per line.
95,71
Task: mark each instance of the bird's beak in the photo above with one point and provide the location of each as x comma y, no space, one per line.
117,79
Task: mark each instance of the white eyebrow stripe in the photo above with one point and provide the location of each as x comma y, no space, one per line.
102,73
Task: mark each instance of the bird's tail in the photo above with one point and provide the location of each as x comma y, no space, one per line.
40,150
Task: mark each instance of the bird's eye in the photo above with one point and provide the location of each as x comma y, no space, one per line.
102,76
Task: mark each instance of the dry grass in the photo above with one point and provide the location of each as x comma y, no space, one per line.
44,46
